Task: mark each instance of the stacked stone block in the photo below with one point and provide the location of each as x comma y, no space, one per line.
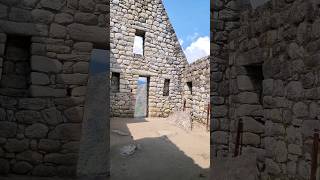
162,59
279,39
40,129
197,103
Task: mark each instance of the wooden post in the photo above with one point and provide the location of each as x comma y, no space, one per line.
208,116
238,138
314,160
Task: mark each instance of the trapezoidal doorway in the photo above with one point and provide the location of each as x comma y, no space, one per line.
142,98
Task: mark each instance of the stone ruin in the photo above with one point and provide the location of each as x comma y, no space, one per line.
162,62
46,47
265,72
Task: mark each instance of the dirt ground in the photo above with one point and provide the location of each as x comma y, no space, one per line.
164,151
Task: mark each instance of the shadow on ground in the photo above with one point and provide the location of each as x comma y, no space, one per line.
156,158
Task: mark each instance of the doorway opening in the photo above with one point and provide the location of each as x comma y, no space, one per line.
142,97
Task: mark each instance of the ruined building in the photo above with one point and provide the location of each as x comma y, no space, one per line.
265,73
170,79
46,47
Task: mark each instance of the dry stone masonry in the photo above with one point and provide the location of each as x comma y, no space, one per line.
45,48
162,62
265,71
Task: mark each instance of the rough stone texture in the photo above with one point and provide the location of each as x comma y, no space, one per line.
267,59
41,102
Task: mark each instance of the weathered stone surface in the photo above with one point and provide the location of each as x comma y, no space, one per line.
36,131
30,156
39,78
86,5
44,91
274,129
81,67
3,11
58,31
220,111
20,15
28,116
248,98
8,129
44,171
32,103
86,18
249,110
52,116
14,145
294,90
74,79
48,145
63,159
220,137
66,131
71,147
88,33
245,83
21,167
44,64
63,18
79,91
52,4
251,139
5,166
251,125
83,46
42,16
74,114
272,167
300,109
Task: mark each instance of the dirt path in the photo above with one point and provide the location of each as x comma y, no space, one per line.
165,151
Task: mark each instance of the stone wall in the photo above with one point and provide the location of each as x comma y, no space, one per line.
162,59
273,72
43,83
198,73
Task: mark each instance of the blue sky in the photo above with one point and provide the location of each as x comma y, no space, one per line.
191,21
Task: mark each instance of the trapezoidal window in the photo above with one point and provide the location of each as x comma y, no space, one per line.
189,84
115,82
16,66
138,45
256,75
166,87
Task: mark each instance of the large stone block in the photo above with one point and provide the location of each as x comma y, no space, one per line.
44,170
85,33
48,145
63,18
44,91
300,109
28,116
3,11
52,4
83,46
42,16
20,15
14,145
39,78
74,114
74,79
245,83
36,131
79,91
32,103
5,166
21,167
22,28
52,116
219,137
61,159
86,5
58,31
45,64
81,67
251,125
251,139
249,110
220,111
66,131
294,90
86,18
248,98
30,156
8,129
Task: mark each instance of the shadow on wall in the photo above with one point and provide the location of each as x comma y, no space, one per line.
155,158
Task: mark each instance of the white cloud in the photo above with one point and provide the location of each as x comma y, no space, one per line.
138,45
181,42
198,49
193,37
